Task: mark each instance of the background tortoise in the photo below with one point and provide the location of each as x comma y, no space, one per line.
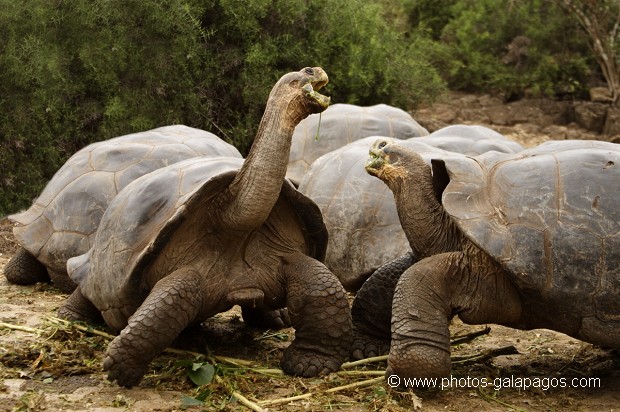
528,240
193,239
359,211
62,222
341,124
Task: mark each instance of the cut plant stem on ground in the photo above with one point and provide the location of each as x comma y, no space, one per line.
202,376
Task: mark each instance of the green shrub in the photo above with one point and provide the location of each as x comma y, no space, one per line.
74,72
516,47
366,60
509,47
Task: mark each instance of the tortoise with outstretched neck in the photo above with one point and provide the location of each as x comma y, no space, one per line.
527,240
359,211
62,221
191,240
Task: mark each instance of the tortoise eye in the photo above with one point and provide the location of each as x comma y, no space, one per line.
309,71
382,145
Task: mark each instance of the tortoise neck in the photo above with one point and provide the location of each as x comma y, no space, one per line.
256,188
429,228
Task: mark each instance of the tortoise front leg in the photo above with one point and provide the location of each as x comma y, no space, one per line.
78,308
170,307
319,311
62,281
426,298
371,312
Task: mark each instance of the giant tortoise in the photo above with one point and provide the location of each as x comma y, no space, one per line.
344,123
526,240
193,239
62,221
359,211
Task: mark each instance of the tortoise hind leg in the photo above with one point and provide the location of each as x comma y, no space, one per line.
319,311
25,269
371,311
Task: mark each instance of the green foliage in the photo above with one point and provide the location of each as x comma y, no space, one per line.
430,15
515,47
201,373
74,72
366,61
600,21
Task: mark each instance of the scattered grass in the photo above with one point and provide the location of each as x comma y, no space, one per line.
214,382
65,348
30,401
57,351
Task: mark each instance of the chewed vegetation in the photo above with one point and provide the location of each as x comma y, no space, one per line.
225,365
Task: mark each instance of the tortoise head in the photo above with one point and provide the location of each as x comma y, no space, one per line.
302,87
389,161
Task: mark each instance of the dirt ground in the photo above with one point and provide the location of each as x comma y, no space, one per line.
49,366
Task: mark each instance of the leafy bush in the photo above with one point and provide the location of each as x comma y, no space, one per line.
600,21
516,47
74,72
512,47
367,62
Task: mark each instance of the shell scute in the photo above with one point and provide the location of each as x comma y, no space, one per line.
115,157
74,168
548,214
141,219
75,198
342,124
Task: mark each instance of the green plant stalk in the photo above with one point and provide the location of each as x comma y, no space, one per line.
318,128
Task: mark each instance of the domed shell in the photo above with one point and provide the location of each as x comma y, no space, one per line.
549,215
143,216
471,140
359,209
341,124
62,221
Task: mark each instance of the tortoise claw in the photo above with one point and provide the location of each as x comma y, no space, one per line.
308,364
365,346
123,369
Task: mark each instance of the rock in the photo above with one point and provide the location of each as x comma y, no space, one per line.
600,94
481,115
489,101
612,121
590,116
570,132
502,116
529,120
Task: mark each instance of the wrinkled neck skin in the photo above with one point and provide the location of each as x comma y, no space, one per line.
428,227
255,189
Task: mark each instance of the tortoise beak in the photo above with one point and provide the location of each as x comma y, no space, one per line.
318,81
375,161
322,102
377,158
